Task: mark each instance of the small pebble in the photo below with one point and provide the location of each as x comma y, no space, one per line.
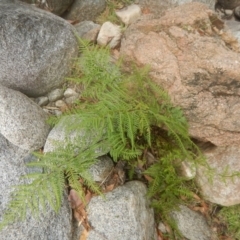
69,93
60,104
55,95
162,227
72,99
42,101
129,14
57,112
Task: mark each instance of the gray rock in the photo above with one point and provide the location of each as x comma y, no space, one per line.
162,227
186,169
91,36
124,213
69,92
50,226
72,99
60,135
22,121
68,130
234,27
42,101
55,95
57,7
101,169
71,96
159,7
36,49
192,225
85,10
85,26
57,112
221,185
60,104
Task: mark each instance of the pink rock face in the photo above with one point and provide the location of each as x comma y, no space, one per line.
198,66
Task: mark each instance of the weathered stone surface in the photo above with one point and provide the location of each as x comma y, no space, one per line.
220,185
69,92
186,169
88,30
84,27
57,7
123,214
55,94
158,8
109,34
199,70
101,169
36,49
60,136
85,10
61,104
22,121
42,101
129,14
68,131
234,27
192,225
50,226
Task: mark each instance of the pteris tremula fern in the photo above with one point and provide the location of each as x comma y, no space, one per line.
44,188
125,106
122,108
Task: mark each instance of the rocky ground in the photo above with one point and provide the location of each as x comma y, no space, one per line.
194,55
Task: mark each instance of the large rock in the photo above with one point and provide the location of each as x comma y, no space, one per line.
192,225
36,48
22,121
195,65
124,213
57,7
69,131
82,10
220,183
157,8
51,226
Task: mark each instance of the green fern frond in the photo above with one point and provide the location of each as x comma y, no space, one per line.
65,166
166,188
117,114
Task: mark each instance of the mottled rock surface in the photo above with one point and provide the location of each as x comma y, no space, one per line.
234,27
158,8
68,130
85,10
192,225
124,213
195,65
101,169
51,226
57,7
221,185
109,34
129,14
36,49
22,121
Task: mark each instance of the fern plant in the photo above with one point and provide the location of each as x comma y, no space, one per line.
126,107
44,188
122,108
231,217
